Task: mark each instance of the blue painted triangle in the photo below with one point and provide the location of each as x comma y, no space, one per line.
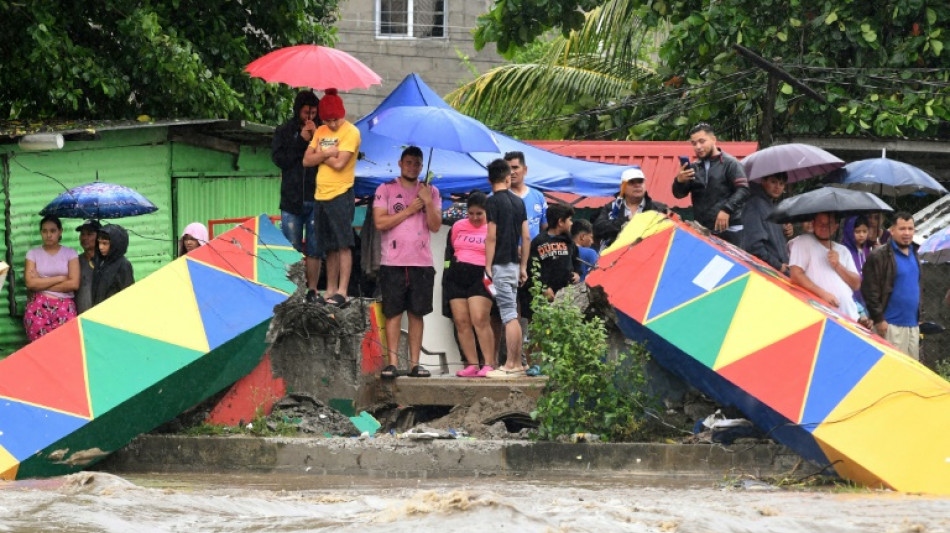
268,234
26,429
229,305
843,360
693,268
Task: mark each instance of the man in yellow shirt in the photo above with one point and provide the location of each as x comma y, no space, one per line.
334,148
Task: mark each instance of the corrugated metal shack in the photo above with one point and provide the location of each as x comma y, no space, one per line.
192,170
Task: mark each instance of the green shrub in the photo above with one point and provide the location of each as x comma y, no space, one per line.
585,392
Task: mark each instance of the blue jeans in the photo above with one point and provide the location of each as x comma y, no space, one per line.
295,226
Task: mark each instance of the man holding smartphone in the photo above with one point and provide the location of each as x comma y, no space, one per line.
716,183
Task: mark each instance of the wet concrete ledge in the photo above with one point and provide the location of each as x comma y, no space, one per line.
389,457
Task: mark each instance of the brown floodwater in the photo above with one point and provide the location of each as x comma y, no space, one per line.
95,501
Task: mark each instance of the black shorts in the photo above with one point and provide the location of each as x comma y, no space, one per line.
333,221
406,289
524,299
464,280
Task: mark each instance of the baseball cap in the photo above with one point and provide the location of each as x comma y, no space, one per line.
632,174
91,224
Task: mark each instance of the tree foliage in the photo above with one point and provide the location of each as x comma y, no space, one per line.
606,59
881,66
118,59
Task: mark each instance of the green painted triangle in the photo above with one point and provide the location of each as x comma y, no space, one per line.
699,327
121,365
272,265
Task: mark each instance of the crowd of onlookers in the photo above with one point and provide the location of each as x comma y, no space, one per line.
506,238
62,283
871,276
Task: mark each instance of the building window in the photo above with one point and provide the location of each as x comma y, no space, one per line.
414,19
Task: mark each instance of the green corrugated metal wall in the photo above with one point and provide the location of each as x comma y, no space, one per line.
206,184
212,185
134,158
203,199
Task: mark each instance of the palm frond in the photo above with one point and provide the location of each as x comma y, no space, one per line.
603,61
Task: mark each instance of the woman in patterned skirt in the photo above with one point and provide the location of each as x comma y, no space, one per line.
52,277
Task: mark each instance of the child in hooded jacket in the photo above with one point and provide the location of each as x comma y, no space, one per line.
113,270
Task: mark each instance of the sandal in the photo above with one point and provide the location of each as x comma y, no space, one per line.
419,372
389,372
337,299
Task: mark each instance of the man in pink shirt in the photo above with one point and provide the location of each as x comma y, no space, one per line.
406,211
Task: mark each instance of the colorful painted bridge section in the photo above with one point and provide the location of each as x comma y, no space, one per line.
813,380
145,355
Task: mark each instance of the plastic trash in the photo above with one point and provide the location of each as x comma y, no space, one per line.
585,437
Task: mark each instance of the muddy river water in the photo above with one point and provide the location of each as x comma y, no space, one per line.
94,501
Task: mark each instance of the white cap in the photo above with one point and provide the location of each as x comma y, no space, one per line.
632,174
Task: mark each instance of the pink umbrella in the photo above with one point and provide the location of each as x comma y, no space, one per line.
317,67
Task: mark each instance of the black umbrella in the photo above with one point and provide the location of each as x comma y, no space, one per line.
843,202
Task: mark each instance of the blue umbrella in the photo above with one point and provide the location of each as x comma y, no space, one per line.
99,200
936,248
886,177
434,127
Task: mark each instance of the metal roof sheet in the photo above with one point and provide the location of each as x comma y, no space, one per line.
658,160
233,130
932,219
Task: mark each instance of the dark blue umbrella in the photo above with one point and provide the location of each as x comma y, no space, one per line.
99,200
886,177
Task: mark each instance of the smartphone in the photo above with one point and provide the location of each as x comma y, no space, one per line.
684,160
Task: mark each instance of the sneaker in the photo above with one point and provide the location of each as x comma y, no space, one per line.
484,371
502,373
470,371
534,371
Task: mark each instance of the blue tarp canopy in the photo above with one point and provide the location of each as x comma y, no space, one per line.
459,172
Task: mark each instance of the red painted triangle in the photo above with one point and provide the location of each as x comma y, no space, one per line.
629,275
777,375
49,372
234,251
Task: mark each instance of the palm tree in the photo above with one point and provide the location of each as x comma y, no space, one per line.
608,59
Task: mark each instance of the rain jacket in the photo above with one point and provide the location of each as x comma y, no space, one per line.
724,188
762,238
610,219
297,182
197,231
878,282
113,272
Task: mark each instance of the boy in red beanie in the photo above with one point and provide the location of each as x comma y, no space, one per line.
334,148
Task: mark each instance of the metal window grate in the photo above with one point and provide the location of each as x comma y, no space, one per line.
419,19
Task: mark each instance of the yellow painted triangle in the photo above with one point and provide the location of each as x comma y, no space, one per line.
161,306
765,314
8,465
903,409
641,226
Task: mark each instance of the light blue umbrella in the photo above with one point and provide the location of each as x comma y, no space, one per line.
936,248
434,127
886,177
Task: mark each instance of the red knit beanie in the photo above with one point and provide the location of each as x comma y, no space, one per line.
331,106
